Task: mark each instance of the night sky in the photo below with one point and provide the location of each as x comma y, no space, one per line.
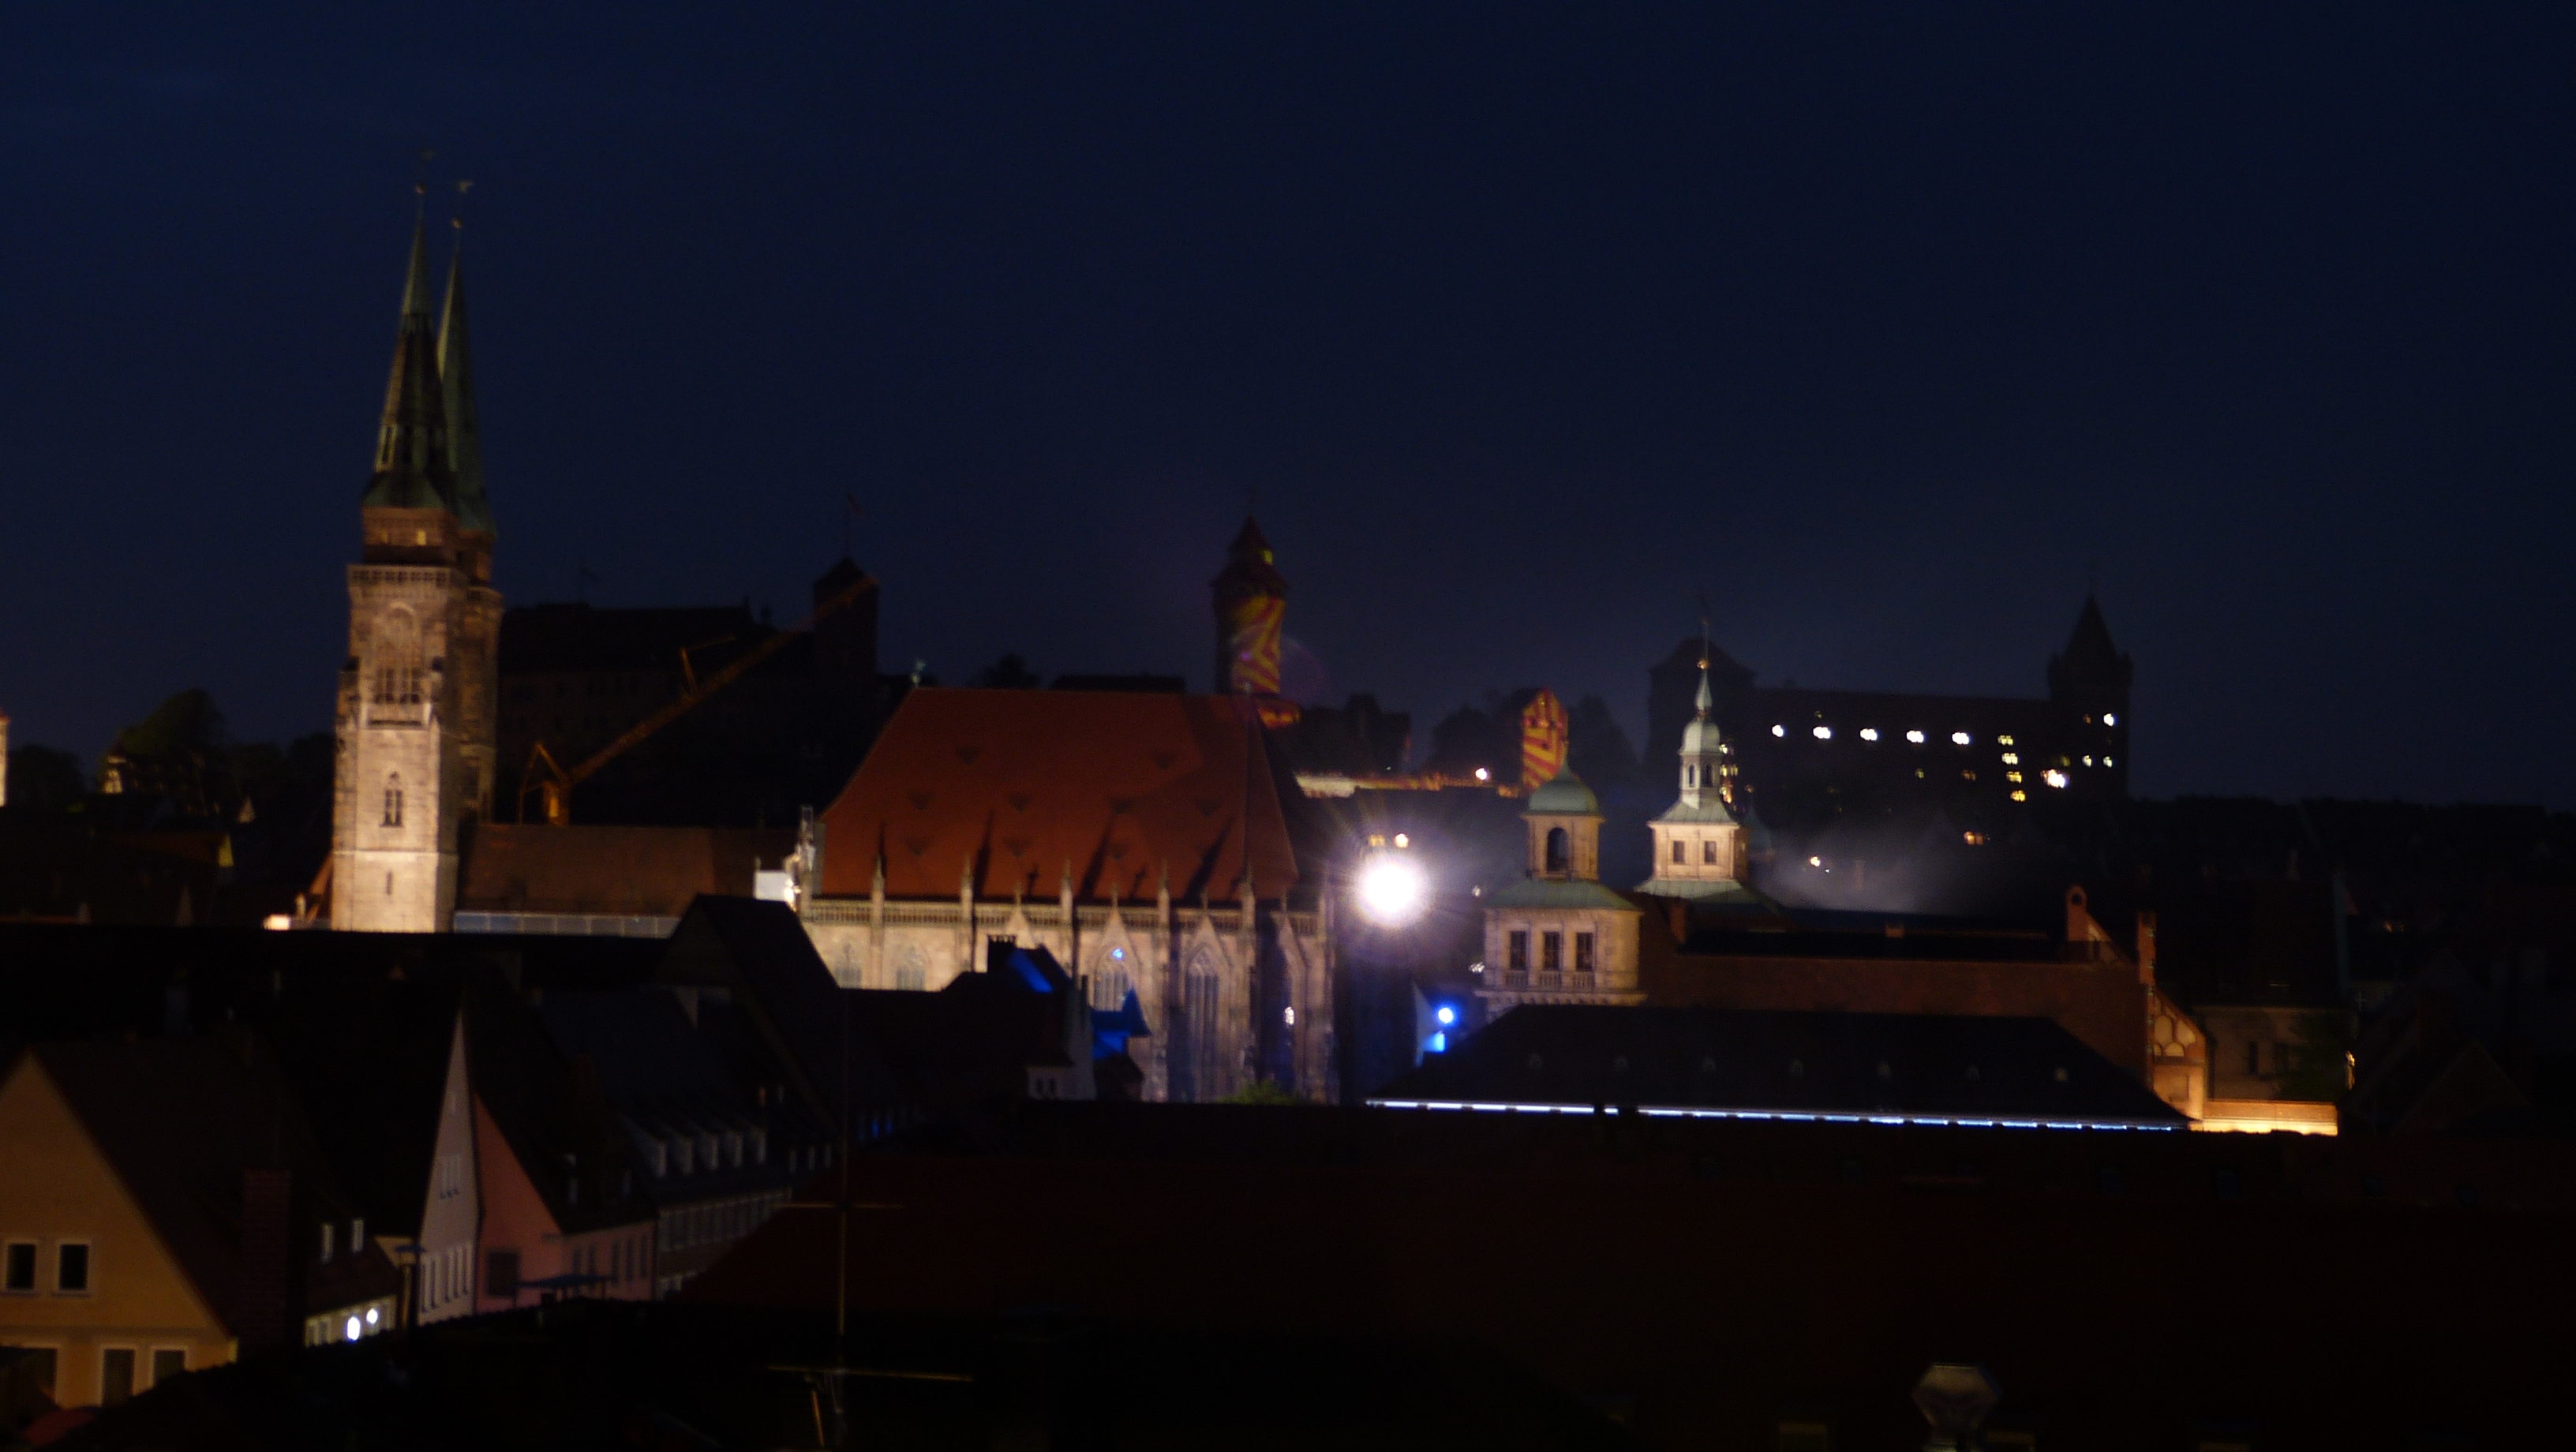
1890,329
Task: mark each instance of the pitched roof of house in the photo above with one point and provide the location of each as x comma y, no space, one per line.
179,1121
368,1056
550,1110
786,1012
1863,1065
620,871
1014,788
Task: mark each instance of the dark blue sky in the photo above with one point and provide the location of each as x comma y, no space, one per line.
1887,327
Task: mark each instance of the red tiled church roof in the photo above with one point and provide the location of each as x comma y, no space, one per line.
1023,784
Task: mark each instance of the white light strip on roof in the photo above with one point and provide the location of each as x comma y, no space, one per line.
1675,1112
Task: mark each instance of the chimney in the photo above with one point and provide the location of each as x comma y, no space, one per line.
2082,933
265,1316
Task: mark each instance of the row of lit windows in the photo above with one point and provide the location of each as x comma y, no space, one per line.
1918,738
1551,951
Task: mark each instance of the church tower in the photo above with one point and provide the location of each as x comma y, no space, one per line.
1699,846
416,717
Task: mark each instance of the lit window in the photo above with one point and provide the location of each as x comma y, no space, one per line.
1824,733
1958,738
1779,730
2021,796
2012,776
1815,862
2088,761
1914,736
2054,778
2012,758
2106,761
2003,741
2110,720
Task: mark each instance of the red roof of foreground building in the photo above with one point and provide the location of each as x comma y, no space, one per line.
1116,787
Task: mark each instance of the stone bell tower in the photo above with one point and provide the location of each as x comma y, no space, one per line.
417,712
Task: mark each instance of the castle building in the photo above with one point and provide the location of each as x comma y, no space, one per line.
1140,838
415,723
1558,935
1797,752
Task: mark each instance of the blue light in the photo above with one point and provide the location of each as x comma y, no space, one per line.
1446,1014
1119,954
1439,1044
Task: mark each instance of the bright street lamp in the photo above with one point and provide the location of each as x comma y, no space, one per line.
1393,889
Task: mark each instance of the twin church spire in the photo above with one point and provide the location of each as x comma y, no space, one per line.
429,454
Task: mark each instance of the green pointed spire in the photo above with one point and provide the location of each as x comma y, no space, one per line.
456,389
412,468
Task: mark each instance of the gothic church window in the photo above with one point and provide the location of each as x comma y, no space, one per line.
393,801
398,673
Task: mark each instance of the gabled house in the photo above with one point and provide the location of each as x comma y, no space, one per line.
167,1208
706,1157
562,1211
381,1063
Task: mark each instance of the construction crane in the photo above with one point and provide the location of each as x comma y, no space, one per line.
555,782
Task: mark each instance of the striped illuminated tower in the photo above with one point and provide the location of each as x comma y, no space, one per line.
1251,606
1543,740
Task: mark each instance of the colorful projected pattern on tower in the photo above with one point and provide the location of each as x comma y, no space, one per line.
1543,739
1252,626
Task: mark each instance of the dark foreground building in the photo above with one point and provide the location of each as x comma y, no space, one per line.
592,1374
1734,1285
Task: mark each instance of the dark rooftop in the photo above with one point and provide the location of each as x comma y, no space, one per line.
1859,1065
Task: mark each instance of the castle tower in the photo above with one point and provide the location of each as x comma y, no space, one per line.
2090,679
1251,606
416,716
1699,846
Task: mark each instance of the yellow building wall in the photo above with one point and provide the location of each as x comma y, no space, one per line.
58,1187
